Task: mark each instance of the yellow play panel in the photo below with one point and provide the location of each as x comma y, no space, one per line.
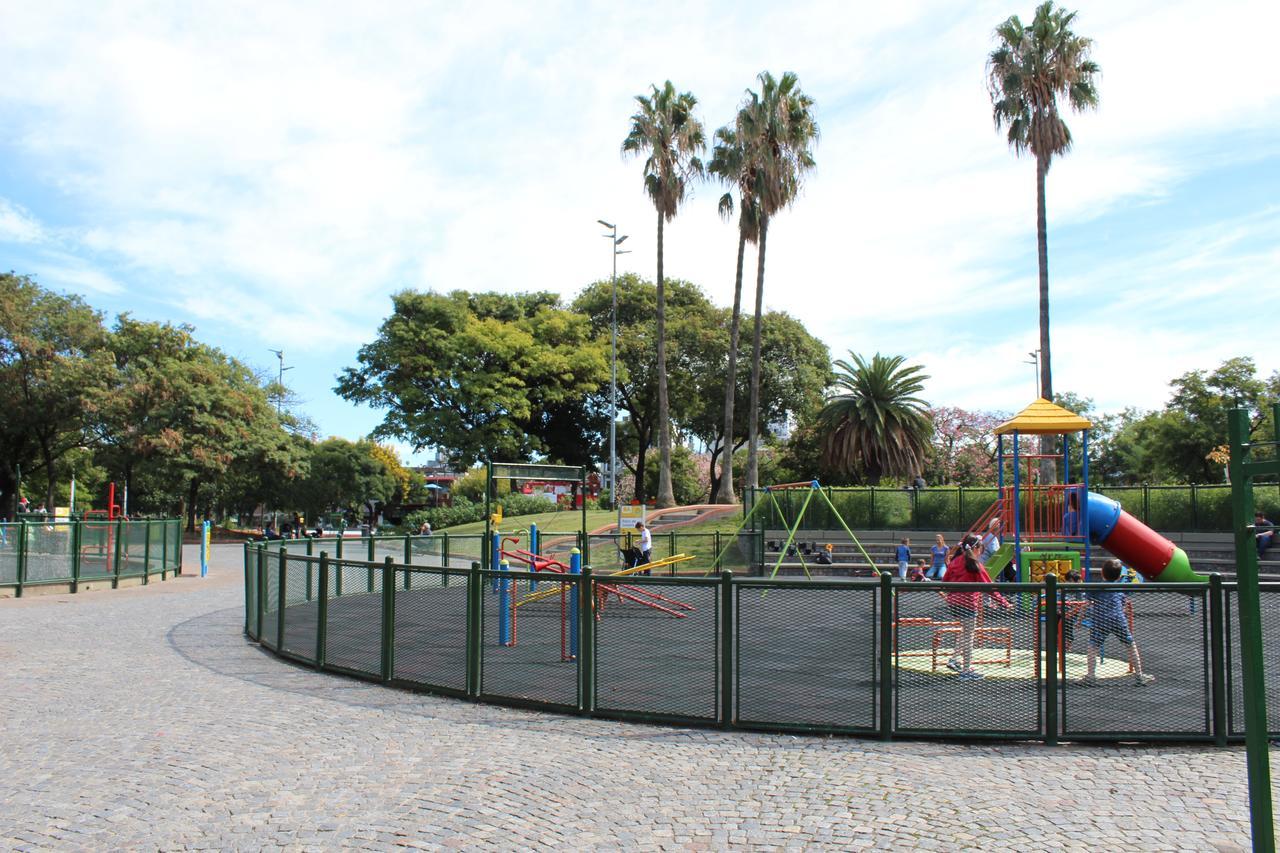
1022,664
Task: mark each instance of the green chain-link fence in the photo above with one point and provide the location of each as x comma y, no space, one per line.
71,553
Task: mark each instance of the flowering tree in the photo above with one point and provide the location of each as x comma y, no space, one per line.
962,451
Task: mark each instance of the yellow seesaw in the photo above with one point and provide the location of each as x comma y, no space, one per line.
656,564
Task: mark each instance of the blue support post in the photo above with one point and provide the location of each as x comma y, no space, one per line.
204,549
504,605
1084,505
575,568
495,555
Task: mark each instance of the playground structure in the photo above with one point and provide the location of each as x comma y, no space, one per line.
1054,523
811,488
509,590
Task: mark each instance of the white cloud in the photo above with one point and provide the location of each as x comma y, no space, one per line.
277,171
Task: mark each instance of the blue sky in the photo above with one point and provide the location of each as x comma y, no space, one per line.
271,173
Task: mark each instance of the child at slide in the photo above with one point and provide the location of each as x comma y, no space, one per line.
939,554
1106,611
917,572
903,555
963,606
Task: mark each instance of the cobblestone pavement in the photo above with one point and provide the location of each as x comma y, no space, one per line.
141,718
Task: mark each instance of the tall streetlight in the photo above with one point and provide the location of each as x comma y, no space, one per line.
280,381
614,242
1035,360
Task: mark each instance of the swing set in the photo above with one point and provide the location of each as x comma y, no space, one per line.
812,487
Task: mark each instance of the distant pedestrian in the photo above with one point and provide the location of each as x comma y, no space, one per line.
903,555
645,547
425,529
1266,533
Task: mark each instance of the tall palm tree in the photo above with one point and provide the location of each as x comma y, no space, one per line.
777,129
731,164
1026,73
877,427
666,129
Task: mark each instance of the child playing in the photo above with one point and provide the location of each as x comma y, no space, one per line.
963,606
1106,611
917,572
903,555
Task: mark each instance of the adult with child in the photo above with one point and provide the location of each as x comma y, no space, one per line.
964,607
939,555
1108,618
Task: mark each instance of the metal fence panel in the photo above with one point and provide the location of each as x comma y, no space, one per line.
49,550
10,546
156,551
807,656
271,599
97,548
301,616
430,642
657,646
999,693
353,632
533,664
1269,597
133,549
251,593
1170,632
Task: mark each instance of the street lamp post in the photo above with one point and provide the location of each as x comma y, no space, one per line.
1035,360
280,381
614,242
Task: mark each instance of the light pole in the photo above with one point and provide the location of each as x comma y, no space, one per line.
280,381
1035,360
614,242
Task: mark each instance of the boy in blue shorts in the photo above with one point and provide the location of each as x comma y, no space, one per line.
903,555
1106,612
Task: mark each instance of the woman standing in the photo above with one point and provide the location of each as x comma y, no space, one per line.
964,607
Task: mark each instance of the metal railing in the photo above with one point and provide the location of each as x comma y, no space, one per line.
58,551
1192,509
869,657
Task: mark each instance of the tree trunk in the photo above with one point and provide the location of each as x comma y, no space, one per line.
666,495
713,478
191,504
1048,443
724,493
46,453
752,476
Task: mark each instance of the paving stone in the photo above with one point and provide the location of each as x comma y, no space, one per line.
142,718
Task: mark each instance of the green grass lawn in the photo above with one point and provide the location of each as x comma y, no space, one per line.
562,521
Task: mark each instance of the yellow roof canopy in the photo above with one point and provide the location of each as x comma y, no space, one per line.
1043,418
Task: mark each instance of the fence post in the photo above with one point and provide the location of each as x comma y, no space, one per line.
247,577
1195,512
587,641
115,582
1217,657
474,590
1146,503
322,611
177,541
728,675
715,567
444,551
959,508
1050,646
388,617
370,558
262,587
871,512
75,555
164,549
337,576
886,656
915,509
282,574
146,552
22,556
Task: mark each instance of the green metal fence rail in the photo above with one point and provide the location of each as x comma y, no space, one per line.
72,553
828,655
1192,509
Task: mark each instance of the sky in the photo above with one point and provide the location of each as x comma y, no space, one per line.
272,173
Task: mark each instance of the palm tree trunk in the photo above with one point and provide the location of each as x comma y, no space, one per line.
1048,443
666,495
752,476
725,493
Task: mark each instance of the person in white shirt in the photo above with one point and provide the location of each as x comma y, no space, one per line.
646,545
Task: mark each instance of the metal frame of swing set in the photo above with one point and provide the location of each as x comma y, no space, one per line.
814,488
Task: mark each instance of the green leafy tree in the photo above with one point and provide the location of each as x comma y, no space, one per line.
876,426
776,128
52,359
665,129
344,476
507,377
1030,69
694,344
732,165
